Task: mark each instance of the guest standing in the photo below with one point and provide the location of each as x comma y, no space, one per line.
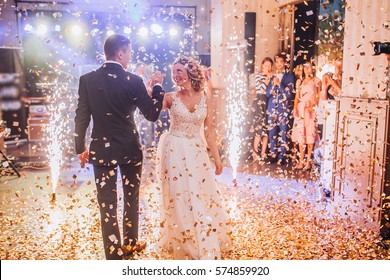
280,95
305,128
259,108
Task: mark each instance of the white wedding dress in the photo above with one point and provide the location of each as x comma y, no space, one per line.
194,222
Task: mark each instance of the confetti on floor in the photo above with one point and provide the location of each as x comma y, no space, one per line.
273,219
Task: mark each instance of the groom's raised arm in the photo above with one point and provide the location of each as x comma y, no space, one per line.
150,107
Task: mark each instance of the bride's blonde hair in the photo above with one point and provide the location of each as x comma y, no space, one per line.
194,71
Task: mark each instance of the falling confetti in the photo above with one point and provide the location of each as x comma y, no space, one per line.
272,219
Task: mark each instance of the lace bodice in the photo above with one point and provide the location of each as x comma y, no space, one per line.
185,123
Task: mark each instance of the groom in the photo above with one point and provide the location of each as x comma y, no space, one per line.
110,95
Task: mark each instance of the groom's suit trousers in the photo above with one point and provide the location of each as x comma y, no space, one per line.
107,194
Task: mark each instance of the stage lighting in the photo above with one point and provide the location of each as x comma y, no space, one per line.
156,28
173,32
42,29
28,28
57,28
143,31
76,30
127,30
110,32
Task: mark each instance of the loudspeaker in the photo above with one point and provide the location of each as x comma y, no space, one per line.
250,37
205,59
305,30
36,128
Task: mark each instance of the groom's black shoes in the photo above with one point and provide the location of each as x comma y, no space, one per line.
129,250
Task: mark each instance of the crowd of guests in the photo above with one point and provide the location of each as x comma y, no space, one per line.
285,111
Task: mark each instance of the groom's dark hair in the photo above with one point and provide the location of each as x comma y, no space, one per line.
114,43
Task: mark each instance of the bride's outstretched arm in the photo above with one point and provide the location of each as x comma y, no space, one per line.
211,136
167,101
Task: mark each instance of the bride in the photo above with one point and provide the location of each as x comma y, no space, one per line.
194,222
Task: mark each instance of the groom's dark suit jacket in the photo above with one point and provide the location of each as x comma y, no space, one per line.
110,95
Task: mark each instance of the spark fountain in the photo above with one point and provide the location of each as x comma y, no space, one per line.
55,132
236,108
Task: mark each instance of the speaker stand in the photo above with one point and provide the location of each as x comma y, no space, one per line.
10,163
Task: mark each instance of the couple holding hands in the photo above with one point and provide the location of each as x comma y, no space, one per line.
194,223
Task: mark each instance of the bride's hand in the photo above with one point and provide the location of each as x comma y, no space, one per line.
156,78
218,167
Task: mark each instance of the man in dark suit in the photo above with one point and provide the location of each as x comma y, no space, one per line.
280,102
110,95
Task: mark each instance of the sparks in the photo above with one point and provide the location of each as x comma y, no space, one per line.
236,109
55,132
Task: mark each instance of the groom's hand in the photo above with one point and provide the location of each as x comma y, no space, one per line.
84,158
